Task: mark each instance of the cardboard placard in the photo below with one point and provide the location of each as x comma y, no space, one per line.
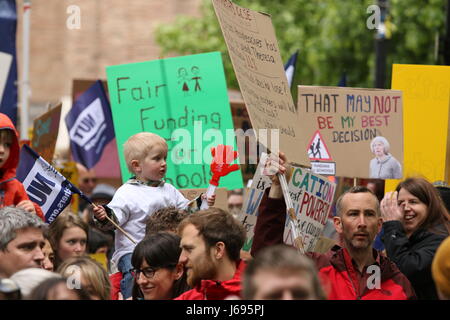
426,94
312,196
185,101
256,59
45,133
252,200
221,196
341,124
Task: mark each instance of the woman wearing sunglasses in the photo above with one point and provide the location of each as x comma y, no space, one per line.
157,273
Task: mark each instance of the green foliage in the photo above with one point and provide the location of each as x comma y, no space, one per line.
331,36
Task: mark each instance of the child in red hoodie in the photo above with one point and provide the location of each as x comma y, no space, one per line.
12,191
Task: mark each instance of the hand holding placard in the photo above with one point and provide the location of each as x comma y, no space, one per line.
276,165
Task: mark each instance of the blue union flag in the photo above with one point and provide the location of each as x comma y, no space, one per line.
90,125
289,68
43,184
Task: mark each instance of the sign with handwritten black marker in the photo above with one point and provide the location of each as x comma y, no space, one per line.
352,131
254,52
185,101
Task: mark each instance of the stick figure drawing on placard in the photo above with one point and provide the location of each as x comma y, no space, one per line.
318,149
195,71
182,75
311,150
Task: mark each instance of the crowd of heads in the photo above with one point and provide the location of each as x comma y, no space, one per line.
181,250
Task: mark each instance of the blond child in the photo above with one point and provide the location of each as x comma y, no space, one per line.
142,195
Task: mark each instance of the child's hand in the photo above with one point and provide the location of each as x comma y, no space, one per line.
26,205
99,213
211,200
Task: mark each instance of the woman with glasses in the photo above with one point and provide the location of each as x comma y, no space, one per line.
157,273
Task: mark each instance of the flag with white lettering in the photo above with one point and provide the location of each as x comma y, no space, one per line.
90,125
43,184
289,68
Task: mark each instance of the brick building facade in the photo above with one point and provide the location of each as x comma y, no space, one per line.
111,32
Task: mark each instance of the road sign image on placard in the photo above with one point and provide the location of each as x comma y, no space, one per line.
317,148
360,129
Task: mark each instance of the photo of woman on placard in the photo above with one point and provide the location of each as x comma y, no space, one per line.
384,165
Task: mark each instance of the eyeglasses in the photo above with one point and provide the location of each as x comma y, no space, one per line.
9,289
148,272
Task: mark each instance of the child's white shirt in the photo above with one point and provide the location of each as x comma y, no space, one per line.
132,204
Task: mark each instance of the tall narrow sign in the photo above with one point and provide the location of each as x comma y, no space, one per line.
252,201
256,59
312,196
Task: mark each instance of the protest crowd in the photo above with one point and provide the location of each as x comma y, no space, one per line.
169,230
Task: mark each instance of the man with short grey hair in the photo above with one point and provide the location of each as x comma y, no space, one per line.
353,270
21,241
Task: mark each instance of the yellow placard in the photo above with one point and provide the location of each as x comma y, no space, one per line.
100,258
69,171
426,107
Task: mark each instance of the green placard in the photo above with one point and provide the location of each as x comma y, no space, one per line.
185,101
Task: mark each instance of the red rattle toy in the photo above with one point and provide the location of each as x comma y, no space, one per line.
221,165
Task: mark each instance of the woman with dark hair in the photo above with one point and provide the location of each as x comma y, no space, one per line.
157,273
415,223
